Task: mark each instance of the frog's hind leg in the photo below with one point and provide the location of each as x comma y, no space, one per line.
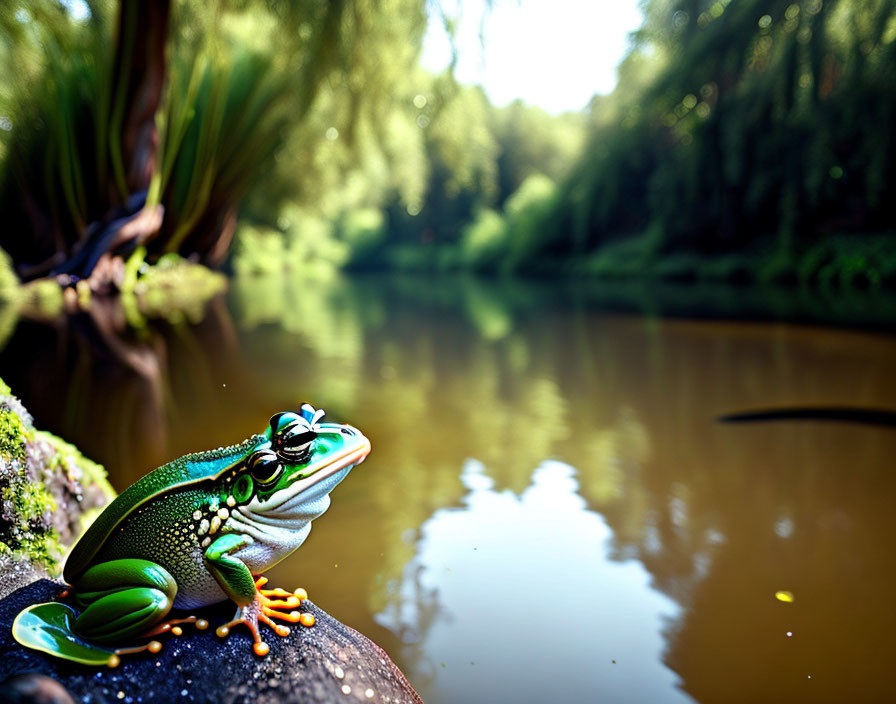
122,600
49,628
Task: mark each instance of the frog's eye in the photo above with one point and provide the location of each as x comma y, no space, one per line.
243,488
265,466
295,441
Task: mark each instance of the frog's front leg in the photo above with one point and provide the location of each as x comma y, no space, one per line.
253,604
122,599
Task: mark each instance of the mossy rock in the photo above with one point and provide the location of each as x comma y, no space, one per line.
174,288
47,488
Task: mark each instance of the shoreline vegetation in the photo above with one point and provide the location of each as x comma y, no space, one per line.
845,262
496,306
748,143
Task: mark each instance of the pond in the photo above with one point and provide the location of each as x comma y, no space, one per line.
551,511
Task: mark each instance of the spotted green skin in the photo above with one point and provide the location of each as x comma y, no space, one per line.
114,568
160,493
172,539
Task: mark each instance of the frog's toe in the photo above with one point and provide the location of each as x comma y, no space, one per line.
293,598
270,607
278,628
291,616
172,625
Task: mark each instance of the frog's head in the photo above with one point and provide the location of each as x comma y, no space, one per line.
288,476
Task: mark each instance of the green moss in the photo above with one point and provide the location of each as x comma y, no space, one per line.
42,298
25,503
31,501
40,475
12,433
174,289
69,460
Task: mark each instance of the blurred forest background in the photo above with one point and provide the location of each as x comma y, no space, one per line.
750,140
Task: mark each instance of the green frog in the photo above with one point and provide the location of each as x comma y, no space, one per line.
194,532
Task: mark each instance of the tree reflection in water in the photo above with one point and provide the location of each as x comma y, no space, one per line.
531,605
121,393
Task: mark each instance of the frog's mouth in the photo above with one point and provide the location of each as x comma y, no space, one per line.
312,483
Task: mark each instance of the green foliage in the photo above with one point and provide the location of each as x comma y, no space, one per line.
259,251
55,147
626,257
530,142
484,240
221,128
361,230
529,229
754,120
9,282
845,261
304,243
739,137
246,81
43,297
477,157
514,238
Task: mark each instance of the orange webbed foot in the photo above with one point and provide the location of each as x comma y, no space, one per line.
263,609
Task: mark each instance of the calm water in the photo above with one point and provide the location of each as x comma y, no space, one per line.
550,512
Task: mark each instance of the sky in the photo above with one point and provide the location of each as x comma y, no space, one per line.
552,53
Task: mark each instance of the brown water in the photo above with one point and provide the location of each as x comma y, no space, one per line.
550,511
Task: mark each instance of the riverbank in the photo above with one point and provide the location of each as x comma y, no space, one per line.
495,302
844,262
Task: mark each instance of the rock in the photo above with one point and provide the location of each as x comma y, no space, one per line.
328,662
34,689
47,490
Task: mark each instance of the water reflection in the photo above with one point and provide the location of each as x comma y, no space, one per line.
683,519
120,392
531,606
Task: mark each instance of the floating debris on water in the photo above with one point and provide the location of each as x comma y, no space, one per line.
786,597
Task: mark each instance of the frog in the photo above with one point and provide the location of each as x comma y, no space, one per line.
195,532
